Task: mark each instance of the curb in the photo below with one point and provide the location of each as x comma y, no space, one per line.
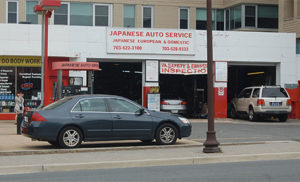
147,163
127,148
85,150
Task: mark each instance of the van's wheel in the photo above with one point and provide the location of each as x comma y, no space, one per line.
233,112
70,137
251,115
166,134
283,117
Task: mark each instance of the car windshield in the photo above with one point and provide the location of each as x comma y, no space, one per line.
274,92
56,104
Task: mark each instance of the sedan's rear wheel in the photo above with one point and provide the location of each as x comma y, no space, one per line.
70,137
166,134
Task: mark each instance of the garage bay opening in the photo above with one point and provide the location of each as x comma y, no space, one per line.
119,78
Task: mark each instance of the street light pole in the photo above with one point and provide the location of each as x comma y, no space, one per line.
211,144
43,60
45,8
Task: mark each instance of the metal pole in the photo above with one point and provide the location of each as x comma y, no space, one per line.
46,71
211,144
59,84
43,60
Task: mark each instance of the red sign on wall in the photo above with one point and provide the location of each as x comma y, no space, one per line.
75,66
183,68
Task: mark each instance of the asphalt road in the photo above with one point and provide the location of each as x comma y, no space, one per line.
262,171
246,131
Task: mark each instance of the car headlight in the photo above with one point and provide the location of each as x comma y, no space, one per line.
184,120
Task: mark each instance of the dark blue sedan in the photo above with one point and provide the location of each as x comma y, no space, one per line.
71,120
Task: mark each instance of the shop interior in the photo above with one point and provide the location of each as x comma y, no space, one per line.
119,78
240,77
23,79
125,79
191,88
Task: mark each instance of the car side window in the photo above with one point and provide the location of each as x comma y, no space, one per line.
241,95
120,105
256,93
91,105
247,93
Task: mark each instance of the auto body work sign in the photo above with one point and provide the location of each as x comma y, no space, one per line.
183,68
21,61
141,41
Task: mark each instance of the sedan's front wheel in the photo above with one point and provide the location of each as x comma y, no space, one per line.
166,134
70,137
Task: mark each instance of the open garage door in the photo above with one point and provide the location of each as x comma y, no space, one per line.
119,78
240,77
188,88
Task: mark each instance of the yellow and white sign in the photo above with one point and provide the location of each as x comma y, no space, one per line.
21,61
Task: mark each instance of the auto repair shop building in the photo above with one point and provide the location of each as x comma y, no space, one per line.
135,62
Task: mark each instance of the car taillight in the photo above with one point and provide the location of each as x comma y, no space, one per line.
37,117
260,102
289,102
164,103
183,103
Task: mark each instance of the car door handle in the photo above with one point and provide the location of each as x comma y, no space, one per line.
117,117
79,116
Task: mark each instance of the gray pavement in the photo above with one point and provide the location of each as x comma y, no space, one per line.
19,154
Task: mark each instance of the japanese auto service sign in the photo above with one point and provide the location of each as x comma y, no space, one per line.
157,41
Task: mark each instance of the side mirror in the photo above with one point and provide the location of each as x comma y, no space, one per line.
140,112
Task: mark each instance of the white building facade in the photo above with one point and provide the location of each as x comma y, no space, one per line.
123,45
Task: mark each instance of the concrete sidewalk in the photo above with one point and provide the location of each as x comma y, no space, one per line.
19,154
137,157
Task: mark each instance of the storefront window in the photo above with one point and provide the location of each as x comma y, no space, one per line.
29,82
18,73
267,16
129,16
81,14
7,89
31,16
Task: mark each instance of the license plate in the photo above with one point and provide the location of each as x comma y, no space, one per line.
275,104
174,111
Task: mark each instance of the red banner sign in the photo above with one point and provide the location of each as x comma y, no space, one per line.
75,66
183,68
